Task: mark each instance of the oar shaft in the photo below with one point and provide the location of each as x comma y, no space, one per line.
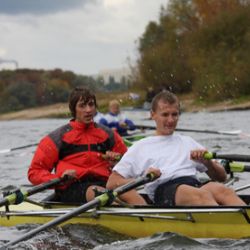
242,188
233,166
204,131
12,198
238,132
17,148
133,184
25,146
230,157
54,222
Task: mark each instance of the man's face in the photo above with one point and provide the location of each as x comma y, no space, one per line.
85,111
115,109
166,117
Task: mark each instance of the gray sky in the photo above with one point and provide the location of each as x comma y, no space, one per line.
84,36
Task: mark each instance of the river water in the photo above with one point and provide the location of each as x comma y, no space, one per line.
15,163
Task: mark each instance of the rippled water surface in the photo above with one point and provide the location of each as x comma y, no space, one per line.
15,163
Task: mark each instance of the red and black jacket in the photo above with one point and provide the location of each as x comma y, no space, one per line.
75,146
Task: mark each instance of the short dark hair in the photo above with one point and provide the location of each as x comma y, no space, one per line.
80,94
165,96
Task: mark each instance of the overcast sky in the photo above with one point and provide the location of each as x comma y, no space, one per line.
84,36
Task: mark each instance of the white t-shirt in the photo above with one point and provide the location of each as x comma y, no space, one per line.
171,154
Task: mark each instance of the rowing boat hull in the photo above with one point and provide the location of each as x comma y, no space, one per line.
140,222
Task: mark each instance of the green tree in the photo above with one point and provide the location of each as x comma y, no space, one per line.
20,95
221,58
200,46
163,61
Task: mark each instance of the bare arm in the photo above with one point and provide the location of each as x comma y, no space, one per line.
215,170
132,197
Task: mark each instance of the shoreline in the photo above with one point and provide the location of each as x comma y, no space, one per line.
188,106
60,110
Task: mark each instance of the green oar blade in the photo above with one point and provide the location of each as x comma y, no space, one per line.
98,201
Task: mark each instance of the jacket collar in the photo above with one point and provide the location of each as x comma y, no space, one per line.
80,125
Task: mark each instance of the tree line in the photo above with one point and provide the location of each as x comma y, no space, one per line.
198,46
26,88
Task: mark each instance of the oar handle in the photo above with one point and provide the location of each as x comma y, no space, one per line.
116,158
209,156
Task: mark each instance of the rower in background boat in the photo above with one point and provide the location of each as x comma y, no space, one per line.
178,159
117,120
77,149
99,117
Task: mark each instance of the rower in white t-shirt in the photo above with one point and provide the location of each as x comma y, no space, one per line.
176,160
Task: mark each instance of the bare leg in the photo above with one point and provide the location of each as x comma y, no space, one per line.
90,194
188,195
223,195
132,197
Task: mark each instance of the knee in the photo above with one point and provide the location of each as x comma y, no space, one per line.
202,197
197,197
224,191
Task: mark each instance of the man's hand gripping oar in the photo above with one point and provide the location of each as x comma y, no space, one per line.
101,200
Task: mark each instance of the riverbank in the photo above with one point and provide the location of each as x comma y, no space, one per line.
189,105
60,110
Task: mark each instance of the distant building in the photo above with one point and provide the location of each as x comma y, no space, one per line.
8,64
119,75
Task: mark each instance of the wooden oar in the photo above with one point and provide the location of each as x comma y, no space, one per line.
230,157
17,196
222,132
100,200
17,148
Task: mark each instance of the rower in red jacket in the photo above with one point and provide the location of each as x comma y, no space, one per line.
82,149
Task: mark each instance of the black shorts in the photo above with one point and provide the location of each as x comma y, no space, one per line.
76,192
165,193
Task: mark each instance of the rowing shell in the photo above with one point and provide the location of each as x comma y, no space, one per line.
195,222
